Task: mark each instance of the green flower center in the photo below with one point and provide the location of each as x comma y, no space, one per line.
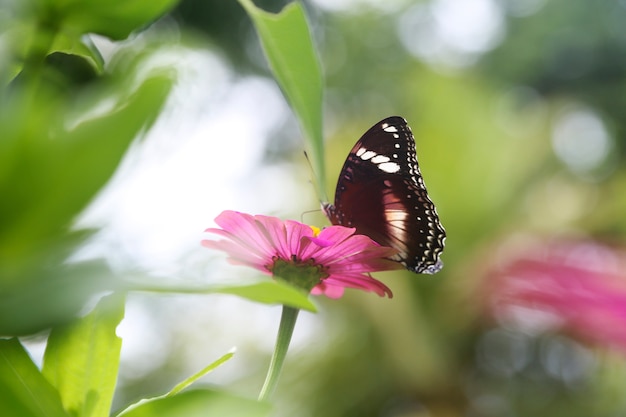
298,273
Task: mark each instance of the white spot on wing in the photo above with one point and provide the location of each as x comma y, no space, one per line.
367,155
390,129
389,167
360,152
379,159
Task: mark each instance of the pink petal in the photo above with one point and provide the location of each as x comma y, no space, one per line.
356,252
580,283
334,234
359,281
245,230
330,291
323,243
238,254
273,230
295,232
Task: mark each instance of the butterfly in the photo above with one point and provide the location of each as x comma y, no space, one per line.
382,194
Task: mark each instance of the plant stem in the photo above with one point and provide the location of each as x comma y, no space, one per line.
285,330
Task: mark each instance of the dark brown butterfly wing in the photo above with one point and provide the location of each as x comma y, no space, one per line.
381,193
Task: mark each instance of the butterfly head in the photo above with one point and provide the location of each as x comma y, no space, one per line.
330,212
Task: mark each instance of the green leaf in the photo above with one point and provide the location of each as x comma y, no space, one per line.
201,403
266,292
82,359
115,19
292,57
50,295
25,23
82,47
271,292
69,150
24,392
182,385
94,147
207,369
56,153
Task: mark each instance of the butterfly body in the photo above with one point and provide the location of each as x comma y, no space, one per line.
381,193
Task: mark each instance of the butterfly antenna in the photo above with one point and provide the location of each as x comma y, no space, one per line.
307,212
320,195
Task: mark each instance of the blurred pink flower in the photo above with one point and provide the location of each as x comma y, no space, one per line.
328,260
576,286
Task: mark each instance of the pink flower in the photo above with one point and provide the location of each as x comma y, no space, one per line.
323,262
576,286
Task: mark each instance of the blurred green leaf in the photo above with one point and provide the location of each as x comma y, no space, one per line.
292,57
81,359
82,47
94,146
13,32
24,23
266,292
115,19
55,155
182,385
49,294
201,403
61,75
207,369
24,392
271,292
34,29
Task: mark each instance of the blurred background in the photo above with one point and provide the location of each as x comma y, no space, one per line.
517,108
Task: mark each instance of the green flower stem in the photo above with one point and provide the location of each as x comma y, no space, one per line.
285,330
